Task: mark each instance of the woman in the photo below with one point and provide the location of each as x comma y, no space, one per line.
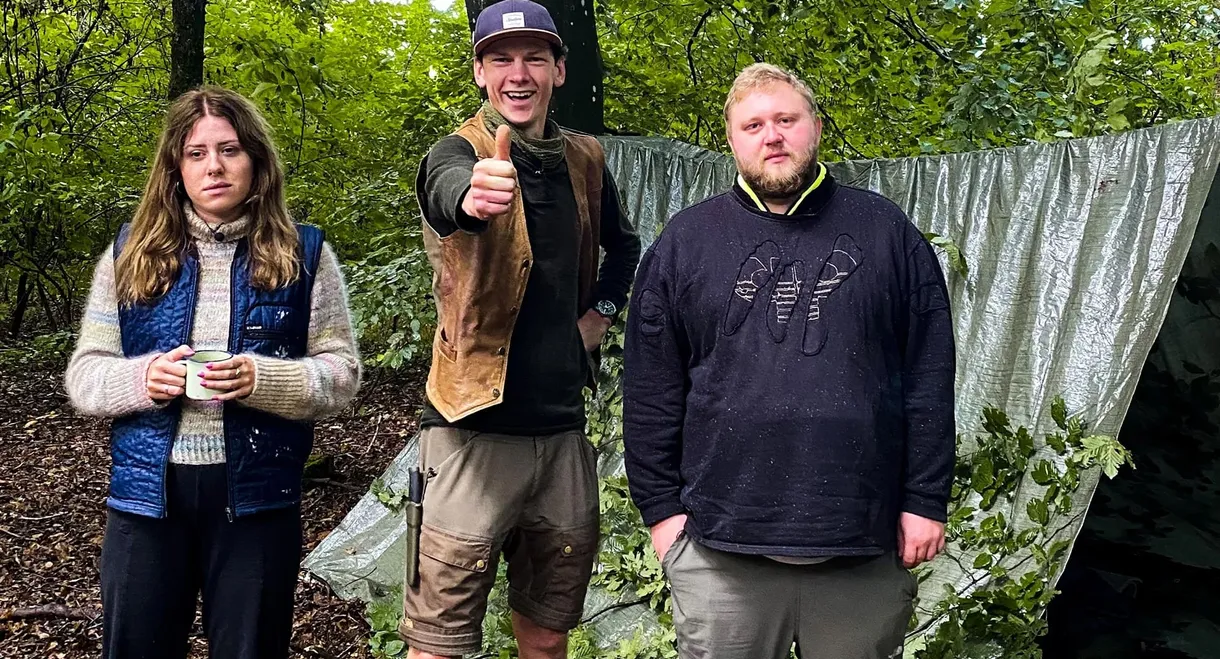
205,494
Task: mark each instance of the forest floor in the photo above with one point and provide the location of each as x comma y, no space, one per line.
54,470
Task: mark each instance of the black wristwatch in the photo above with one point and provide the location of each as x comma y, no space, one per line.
606,309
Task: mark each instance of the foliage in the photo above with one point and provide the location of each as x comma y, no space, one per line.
388,496
1013,558
383,616
953,253
48,351
76,99
910,77
357,91
391,301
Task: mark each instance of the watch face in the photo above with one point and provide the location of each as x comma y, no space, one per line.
606,308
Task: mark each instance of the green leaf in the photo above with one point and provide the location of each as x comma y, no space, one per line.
394,648
1058,550
989,499
1044,473
1059,412
983,475
1038,511
1025,443
1057,442
1118,122
957,262
982,561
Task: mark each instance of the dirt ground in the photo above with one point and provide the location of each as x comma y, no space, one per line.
54,468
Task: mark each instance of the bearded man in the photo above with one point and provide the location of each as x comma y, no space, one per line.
788,411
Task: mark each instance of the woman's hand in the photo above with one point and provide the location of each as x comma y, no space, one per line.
230,379
166,378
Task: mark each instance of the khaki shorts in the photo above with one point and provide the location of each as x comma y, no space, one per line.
534,499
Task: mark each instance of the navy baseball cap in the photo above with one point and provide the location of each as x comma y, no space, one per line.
514,18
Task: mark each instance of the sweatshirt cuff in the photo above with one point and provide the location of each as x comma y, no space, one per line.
933,508
466,222
659,509
131,396
281,386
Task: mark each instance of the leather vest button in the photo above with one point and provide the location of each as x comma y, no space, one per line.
500,350
495,393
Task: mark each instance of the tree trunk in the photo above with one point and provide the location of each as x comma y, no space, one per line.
186,46
47,308
580,102
23,303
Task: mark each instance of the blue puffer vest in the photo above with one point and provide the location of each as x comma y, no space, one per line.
265,454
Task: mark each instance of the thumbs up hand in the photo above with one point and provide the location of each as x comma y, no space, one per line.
493,182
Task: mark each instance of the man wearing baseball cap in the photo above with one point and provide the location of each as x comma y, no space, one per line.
516,214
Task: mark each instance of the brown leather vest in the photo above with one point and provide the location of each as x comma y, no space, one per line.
479,279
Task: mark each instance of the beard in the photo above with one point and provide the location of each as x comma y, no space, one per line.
782,183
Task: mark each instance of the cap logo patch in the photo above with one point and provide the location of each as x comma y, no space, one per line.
513,19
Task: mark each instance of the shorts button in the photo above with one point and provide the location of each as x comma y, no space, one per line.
480,564
567,550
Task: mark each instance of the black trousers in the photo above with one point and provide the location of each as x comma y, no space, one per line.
154,570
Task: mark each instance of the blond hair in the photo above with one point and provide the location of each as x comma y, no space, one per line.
763,76
152,255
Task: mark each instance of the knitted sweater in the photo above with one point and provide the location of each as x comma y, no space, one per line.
102,382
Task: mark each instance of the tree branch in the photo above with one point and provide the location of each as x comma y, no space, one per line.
49,611
301,137
612,607
690,56
840,133
916,34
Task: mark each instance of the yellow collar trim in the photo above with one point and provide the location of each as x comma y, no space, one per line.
763,207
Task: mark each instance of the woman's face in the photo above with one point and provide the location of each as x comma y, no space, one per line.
216,170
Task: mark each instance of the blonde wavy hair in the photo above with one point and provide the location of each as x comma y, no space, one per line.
763,76
152,255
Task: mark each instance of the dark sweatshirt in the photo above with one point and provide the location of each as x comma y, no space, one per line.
789,378
547,362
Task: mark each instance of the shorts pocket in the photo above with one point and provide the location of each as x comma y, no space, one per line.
439,446
456,574
549,571
454,550
571,554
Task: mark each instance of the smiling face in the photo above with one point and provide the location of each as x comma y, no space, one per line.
774,136
216,170
520,74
